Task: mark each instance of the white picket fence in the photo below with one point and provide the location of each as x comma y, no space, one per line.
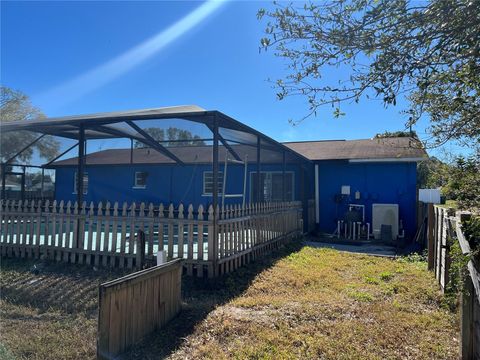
130,235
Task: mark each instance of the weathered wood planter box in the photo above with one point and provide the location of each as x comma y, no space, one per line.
136,305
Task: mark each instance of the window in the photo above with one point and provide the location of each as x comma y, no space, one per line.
271,186
140,180
208,183
85,183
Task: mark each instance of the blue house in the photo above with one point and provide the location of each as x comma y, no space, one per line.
355,189
358,174
365,175
144,175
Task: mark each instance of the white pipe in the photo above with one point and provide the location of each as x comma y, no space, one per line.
317,199
338,229
353,230
368,231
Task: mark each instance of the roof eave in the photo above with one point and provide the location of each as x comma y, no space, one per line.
380,160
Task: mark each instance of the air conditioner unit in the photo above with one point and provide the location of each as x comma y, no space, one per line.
384,214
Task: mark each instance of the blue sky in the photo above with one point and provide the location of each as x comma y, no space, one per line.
84,57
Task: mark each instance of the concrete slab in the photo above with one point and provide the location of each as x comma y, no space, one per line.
368,249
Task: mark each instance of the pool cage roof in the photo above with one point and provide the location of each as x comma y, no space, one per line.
221,132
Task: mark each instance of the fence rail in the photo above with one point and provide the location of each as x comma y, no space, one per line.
445,227
135,305
129,235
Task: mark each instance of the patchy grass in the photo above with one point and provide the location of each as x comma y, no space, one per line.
302,303
49,313
320,303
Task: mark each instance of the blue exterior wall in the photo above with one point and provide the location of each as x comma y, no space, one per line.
392,183
165,183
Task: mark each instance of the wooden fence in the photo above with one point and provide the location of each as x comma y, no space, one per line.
444,227
135,305
130,235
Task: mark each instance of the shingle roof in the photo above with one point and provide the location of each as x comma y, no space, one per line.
189,154
386,148
382,148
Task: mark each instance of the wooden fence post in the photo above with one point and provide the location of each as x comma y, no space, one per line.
466,317
430,236
140,256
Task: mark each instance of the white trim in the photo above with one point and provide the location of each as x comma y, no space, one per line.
410,159
317,196
135,185
220,177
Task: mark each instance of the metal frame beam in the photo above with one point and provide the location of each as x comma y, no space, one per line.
80,164
215,193
153,143
284,185
254,145
25,148
59,156
237,125
4,177
259,173
227,145
110,131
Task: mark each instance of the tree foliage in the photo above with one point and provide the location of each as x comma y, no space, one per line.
458,179
433,173
16,106
426,51
464,182
171,137
394,134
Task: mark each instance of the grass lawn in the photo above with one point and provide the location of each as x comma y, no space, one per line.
49,315
305,303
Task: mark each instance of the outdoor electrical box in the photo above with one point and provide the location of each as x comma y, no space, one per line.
385,214
345,189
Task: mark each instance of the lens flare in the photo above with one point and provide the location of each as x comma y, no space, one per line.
114,68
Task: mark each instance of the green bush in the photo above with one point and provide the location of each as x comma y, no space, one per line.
458,273
464,183
471,230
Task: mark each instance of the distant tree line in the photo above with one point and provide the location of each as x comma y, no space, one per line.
171,137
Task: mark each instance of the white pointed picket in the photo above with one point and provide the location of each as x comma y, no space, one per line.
101,234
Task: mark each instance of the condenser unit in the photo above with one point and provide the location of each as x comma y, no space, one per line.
384,214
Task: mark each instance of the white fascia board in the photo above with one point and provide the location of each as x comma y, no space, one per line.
379,160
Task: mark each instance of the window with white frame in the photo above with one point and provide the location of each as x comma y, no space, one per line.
272,187
140,179
85,183
208,182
